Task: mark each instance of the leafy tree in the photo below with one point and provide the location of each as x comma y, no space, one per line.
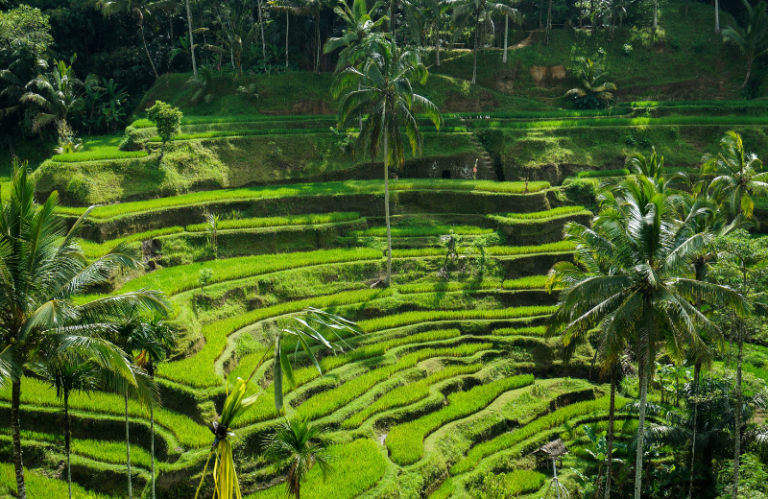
594,92
235,30
305,8
57,94
382,90
143,10
43,270
645,297
297,445
168,121
479,14
754,43
738,176
67,374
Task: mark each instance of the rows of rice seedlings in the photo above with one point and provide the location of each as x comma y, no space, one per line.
36,392
737,104
357,466
106,451
621,172
98,155
520,331
252,223
523,482
38,485
174,280
407,394
445,490
437,230
305,190
202,120
552,420
554,212
529,282
410,318
406,441
534,115
264,408
246,132
628,122
327,402
198,370
557,247
95,250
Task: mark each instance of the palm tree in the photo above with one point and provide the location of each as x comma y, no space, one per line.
359,24
478,13
645,298
191,39
382,90
235,30
142,9
57,93
43,269
738,175
593,93
754,43
297,445
151,338
66,375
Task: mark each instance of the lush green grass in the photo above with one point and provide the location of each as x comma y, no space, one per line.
623,172
405,441
407,394
357,466
552,420
300,190
558,247
83,156
409,318
40,486
523,482
629,122
437,230
737,104
188,432
96,250
522,331
542,215
445,490
248,223
326,402
530,282
244,133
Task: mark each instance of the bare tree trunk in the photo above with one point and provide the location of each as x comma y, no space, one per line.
737,432
317,42
506,37
641,428
191,40
437,43
609,438
287,23
549,23
128,448
388,278
21,489
68,442
141,32
592,19
696,374
474,55
263,40
655,15
717,17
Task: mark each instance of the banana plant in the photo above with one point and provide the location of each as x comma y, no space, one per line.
316,329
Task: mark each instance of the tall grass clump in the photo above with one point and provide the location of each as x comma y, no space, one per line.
405,441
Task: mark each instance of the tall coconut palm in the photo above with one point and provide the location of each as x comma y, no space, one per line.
150,338
754,43
359,24
479,15
382,90
143,10
67,374
57,94
646,297
43,269
738,175
297,445
191,39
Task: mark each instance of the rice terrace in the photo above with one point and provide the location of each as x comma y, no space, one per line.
358,249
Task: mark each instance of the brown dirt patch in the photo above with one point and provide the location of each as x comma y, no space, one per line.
544,76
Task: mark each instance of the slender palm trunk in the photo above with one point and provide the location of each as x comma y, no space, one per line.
737,432
317,43
388,278
474,54
68,442
592,19
717,17
655,15
609,438
263,40
506,37
152,445
749,71
144,41
128,447
21,489
437,42
641,427
191,40
287,23
696,374
549,23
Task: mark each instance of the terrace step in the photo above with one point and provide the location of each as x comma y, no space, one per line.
485,166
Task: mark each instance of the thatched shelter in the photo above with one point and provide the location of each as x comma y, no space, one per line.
550,451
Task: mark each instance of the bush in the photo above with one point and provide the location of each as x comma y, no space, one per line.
167,119
626,49
630,140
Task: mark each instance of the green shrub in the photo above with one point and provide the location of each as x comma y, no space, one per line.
407,394
167,120
405,441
